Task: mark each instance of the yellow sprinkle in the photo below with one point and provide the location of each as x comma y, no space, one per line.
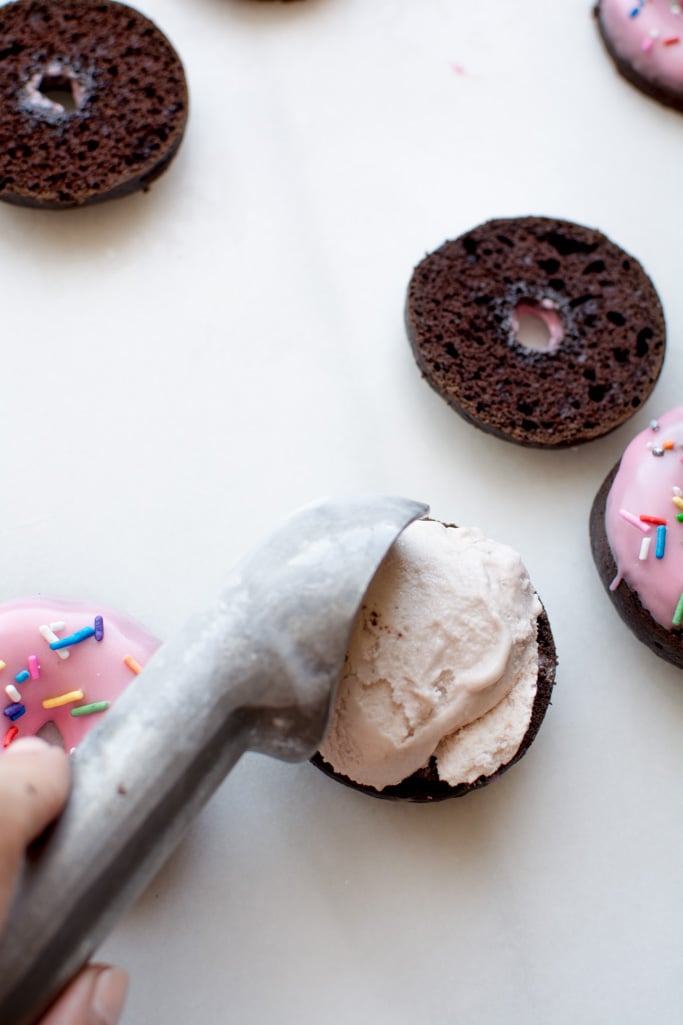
63,699
133,664
677,501
2,664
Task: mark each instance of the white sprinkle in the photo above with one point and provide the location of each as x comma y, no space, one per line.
654,32
12,693
644,548
48,634
677,491
59,625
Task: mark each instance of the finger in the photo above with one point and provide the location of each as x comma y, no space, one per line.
95,997
34,782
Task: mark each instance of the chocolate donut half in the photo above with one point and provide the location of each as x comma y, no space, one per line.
93,102
604,322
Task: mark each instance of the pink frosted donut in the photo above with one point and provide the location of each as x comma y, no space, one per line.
62,665
637,535
645,40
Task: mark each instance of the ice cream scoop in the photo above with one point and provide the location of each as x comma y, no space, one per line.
257,672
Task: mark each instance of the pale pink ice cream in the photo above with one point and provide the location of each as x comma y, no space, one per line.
443,660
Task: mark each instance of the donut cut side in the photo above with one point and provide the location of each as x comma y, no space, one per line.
603,357
93,102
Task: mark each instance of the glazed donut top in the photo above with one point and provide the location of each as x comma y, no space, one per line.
64,664
644,518
648,35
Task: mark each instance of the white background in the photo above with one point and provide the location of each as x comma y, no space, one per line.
184,368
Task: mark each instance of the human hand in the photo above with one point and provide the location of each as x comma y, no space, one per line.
34,783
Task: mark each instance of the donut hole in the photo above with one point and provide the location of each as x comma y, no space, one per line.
59,90
51,734
537,325
55,92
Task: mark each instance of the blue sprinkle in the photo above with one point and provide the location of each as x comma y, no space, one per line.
75,638
14,711
23,676
99,628
661,542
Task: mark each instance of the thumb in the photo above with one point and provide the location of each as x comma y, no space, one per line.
34,780
95,997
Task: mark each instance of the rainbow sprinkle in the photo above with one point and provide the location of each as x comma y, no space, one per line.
678,614
63,699
50,635
14,711
634,521
12,732
95,706
75,638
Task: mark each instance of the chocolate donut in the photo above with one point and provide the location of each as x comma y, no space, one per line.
636,532
93,102
604,321
645,41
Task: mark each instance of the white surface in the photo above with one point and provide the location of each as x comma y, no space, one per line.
183,368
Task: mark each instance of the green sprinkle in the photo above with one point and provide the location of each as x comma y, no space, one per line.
679,517
678,614
102,706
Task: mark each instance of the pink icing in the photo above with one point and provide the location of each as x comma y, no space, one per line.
95,667
646,485
651,40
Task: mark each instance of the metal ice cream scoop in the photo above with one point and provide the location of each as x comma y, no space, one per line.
258,672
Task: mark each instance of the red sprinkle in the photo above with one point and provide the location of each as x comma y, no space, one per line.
657,520
671,40
11,734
